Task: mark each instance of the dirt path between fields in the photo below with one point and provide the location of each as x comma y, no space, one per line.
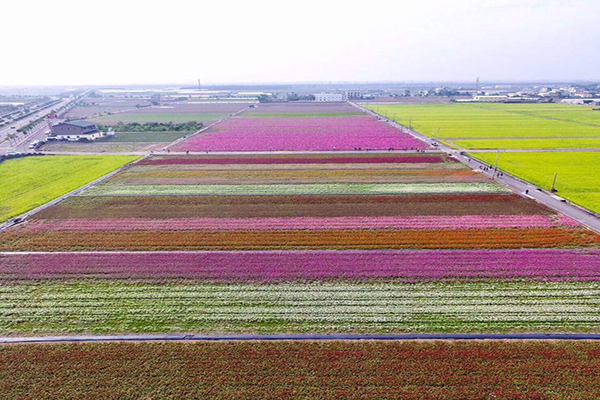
297,337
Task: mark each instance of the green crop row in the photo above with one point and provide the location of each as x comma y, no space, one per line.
112,189
81,306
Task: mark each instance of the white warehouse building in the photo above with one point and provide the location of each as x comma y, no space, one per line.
329,97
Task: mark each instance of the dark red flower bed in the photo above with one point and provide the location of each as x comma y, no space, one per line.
323,370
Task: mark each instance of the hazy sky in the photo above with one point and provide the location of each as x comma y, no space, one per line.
128,41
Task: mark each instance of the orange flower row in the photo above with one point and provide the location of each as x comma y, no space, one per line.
25,240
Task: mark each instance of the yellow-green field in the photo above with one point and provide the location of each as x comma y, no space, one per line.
519,126
527,144
578,177
507,124
26,183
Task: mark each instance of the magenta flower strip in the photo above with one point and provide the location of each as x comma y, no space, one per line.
301,133
280,266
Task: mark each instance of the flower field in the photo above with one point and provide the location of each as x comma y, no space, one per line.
255,133
297,266
164,207
446,206
261,224
323,370
291,189
295,159
149,240
100,306
365,243
302,109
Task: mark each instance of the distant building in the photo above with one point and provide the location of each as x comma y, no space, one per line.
590,102
155,99
252,95
322,97
75,130
491,99
352,94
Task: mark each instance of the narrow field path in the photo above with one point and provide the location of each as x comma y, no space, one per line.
298,337
307,152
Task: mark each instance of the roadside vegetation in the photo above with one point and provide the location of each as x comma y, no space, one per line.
191,126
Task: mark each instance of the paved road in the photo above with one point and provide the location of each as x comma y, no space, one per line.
519,186
22,122
241,153
296,337
23,144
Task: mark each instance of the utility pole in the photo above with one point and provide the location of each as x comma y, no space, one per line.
554,190
496,166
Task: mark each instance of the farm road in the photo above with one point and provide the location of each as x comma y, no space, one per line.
307,152
298,337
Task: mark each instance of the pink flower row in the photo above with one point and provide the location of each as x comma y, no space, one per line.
301,133
420,222
279,266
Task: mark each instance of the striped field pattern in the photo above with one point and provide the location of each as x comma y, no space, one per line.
276,244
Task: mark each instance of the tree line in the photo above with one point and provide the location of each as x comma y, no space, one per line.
191,126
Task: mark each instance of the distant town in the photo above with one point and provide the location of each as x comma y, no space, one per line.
30,117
